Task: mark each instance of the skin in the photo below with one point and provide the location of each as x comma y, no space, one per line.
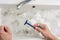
45,32
5,33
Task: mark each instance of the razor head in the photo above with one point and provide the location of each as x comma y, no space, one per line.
25,22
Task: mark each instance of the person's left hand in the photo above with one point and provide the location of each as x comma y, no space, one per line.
5,33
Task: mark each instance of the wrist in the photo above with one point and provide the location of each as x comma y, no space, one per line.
53,38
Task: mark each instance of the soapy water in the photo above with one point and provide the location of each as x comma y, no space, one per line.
36,19
49,17
16,24
33,17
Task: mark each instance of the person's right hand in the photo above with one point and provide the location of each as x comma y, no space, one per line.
5,33
45,32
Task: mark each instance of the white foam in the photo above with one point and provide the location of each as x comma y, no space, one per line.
33,21
37,19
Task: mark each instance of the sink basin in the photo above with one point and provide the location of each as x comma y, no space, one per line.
15,19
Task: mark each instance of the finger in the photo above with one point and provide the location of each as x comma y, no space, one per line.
1,31
35,25
39,29
42,26
2,28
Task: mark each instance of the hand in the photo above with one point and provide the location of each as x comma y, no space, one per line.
5,33
45,32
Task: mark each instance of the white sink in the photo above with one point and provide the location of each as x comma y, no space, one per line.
14,18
